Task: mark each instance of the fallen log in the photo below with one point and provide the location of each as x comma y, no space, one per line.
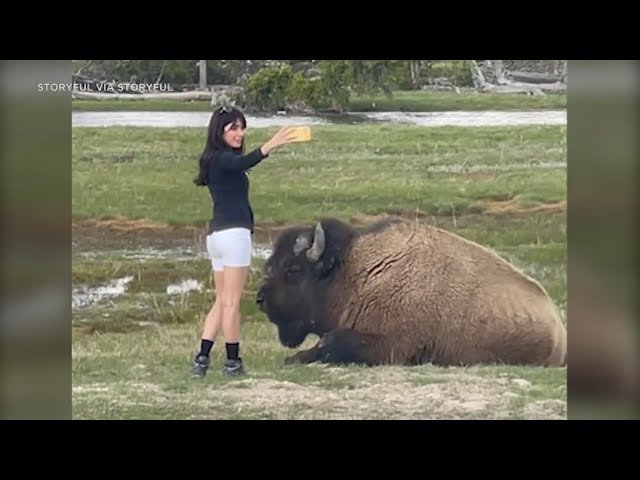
510,86
528,88
534,77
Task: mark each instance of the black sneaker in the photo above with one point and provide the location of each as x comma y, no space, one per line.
200,366
233,367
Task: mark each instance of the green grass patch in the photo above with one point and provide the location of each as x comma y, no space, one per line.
424,101
147,173
408,101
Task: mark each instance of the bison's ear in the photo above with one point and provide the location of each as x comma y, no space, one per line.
302,243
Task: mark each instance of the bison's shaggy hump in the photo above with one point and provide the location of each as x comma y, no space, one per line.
403,292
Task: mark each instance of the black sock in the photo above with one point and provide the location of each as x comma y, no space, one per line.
205,347
232,350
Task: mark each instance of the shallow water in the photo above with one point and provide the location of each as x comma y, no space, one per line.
426,119
86,296
260,250
186,286
83,296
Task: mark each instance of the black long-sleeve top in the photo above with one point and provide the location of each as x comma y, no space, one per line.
228,185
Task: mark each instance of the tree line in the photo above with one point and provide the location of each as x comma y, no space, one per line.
316,84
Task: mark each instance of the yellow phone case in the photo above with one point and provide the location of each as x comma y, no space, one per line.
303,134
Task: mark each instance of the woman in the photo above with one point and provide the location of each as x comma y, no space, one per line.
222,169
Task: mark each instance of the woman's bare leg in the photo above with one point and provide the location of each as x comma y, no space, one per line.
213,321
212,325
234,283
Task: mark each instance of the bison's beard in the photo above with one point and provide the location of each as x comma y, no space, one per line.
291,332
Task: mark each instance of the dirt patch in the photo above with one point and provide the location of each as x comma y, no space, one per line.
81,330
114,234
546,410
336,393
121,234
288,400
90,234
512,206
98,234
389,393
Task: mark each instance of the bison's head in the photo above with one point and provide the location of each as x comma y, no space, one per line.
296,279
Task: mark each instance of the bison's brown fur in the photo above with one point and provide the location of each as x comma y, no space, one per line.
409,293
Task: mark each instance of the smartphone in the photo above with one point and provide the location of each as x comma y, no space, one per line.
302,134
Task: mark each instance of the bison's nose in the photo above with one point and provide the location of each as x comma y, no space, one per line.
260,298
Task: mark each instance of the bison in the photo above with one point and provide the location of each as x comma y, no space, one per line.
399,292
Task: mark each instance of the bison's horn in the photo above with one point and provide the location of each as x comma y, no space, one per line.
314,253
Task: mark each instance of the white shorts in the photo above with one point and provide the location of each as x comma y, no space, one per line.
229,248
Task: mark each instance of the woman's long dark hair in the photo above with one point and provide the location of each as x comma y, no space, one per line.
215,143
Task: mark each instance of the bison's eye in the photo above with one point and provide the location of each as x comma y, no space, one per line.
293,271
269,271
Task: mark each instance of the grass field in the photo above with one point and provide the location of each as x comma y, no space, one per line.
414,101
142,173
138,217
